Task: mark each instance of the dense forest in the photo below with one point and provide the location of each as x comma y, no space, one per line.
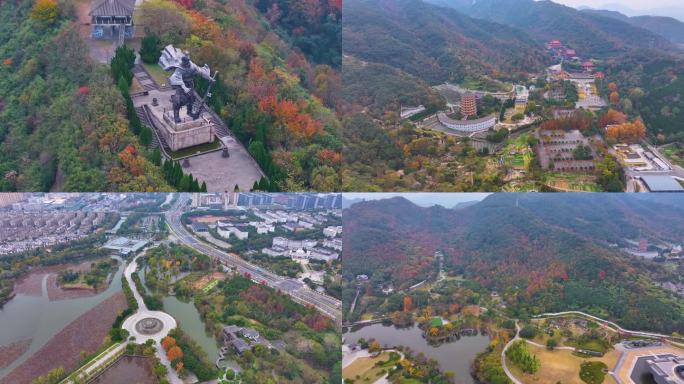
64,125
275,101
313,26
433,43
542,252
653,85
62,120
312,352
591,34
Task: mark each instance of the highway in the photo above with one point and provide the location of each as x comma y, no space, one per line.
298,291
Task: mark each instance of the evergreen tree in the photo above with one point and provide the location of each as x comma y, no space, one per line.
185,183
204,187
123,86
156,158
255,187
145,136
150,49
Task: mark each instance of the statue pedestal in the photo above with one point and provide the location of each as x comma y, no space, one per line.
187,133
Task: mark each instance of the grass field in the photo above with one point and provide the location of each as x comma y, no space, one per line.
522,154
158,74
192,150
572,182
363,369
561,365
676,155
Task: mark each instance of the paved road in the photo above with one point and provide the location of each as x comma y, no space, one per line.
299,292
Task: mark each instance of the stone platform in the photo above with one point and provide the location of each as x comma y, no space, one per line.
187,133
220,173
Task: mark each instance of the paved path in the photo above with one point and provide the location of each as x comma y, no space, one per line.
604,322
544,346
503,355
167,320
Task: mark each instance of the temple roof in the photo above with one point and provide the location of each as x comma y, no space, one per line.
112,8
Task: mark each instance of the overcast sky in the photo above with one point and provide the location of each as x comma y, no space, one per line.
634,4
447,200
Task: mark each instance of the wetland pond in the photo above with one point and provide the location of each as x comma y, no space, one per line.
455,356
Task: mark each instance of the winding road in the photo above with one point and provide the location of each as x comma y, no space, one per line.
298,291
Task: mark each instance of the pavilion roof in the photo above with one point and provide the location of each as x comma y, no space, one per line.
112,8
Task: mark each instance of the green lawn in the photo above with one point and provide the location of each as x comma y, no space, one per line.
676,155
572,181
436,322
592,372
158,74
523,156
193,150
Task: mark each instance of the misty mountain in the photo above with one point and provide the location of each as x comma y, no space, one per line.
433,43
667,27
591,34
669,11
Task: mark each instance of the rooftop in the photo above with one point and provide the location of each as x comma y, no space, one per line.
662,184
112,8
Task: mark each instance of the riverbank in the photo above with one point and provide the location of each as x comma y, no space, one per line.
63,350
9,353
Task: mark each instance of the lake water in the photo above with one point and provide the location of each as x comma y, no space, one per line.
455,356
38,318
189,320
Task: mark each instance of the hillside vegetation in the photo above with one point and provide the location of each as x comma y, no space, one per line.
544,252
62,121
589,33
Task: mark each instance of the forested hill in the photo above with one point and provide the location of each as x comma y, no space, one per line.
591,34
434,43
546,252
667,27
62,120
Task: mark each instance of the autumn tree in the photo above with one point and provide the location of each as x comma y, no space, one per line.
407,303
45,10
374,347
166,20
175,353
168,342
612,117
627,132
614,97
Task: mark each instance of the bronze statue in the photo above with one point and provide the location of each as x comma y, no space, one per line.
182,80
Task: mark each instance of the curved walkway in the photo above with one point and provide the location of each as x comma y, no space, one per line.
603,322
503,355
612,324
168,323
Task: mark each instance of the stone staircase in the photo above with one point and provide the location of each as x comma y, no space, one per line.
144,77
157,139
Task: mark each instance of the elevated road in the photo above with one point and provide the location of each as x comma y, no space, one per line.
298,291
